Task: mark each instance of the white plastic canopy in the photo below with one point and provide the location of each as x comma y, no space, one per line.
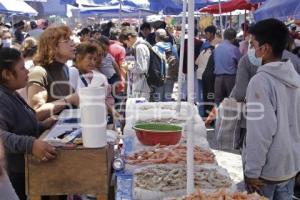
16,7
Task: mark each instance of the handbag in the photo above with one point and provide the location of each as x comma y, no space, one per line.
227,126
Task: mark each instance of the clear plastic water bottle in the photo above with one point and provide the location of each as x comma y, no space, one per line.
128,142
124,186
128,139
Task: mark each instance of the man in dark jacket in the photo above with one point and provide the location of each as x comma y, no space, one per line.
198,45
19,32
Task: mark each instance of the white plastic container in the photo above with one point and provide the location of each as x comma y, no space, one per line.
93,116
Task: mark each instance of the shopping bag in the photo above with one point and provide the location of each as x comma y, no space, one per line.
227,126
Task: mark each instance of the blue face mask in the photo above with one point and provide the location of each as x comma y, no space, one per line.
253,59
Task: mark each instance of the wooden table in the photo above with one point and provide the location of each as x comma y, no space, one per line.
74,171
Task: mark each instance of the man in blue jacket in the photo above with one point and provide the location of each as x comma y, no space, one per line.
271,150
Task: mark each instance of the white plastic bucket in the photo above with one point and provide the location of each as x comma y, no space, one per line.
93,116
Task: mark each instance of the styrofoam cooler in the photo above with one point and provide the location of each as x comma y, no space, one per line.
93,116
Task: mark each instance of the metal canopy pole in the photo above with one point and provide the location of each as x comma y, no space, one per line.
120,13
221,20
191,98
180,73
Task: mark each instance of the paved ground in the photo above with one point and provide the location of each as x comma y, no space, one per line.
229,160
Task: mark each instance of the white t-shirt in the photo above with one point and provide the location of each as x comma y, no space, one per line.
29,64
78,81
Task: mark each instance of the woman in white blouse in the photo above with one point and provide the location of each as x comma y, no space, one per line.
84,71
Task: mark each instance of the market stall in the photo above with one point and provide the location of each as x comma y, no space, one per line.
74,171
160,171
78,168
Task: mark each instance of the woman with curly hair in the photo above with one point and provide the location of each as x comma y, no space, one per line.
49,91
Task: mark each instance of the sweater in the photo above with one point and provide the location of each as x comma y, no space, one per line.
18,129
273,123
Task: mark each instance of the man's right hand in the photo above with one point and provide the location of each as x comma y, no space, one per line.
43,151
254,185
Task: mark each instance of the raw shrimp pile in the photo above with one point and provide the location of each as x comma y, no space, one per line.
176,154
162,178
223,195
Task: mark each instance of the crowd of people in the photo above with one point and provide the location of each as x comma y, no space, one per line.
43,68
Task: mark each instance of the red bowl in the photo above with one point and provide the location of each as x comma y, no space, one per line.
153,133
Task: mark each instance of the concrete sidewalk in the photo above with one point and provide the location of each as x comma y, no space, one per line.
230,160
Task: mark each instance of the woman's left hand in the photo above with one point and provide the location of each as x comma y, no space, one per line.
43,151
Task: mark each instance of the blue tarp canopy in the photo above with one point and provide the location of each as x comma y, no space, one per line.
256,1
166,6
54,7
91,2
67,1
114,11
280,9
16,7
36,0
104,9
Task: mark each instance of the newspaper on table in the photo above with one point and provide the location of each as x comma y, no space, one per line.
69,124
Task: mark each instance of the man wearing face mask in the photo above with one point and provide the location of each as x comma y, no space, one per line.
271,149
246,69
6,38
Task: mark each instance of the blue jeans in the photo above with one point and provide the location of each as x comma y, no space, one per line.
164,93
280,191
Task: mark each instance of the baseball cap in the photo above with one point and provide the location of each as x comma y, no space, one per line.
161,33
